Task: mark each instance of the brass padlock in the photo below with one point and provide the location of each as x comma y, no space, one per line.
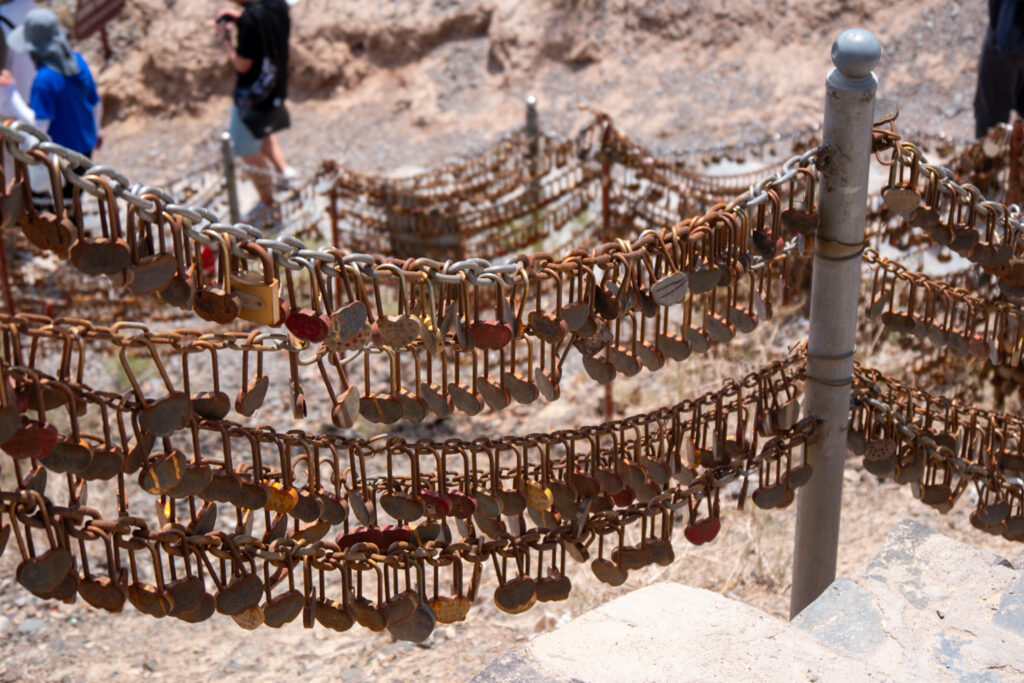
258,294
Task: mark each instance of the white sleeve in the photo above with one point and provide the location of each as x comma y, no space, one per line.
12,105
24,112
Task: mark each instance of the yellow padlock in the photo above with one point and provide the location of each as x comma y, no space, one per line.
258,293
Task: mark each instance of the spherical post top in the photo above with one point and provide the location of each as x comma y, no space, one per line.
856,52
531,101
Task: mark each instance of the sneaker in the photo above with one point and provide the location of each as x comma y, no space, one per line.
258,213
272,223
287,178
266,218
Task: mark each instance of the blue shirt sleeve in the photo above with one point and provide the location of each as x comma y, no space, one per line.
91,96
44,95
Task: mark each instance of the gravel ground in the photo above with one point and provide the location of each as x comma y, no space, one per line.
410,85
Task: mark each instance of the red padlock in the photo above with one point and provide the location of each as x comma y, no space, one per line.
209,260
308,324
703,530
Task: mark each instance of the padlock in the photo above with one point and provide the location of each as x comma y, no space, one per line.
104,255
258,295
218,304
48,231
152,266
306,324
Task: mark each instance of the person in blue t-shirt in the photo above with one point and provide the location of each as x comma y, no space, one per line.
64,96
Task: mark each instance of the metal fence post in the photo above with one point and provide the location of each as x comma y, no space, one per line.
532,151
606,234
228,157
532,121
843,162
333,210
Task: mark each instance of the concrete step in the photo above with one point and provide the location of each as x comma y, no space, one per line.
927,605
672,632
926,608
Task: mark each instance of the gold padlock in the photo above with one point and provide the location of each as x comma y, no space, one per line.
258,294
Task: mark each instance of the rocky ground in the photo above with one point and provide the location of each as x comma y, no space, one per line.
394,85
380,86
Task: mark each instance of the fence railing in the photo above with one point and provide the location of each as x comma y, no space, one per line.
270,522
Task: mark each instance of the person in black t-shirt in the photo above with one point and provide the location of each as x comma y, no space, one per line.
260,60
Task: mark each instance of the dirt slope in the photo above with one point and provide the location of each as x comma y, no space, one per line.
432,79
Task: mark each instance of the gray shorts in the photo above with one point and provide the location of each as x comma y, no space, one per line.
244,142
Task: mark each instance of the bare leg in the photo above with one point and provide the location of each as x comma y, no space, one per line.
272,150
263,181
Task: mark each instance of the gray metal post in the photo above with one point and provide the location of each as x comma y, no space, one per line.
835,289
230,181
532,117
533,133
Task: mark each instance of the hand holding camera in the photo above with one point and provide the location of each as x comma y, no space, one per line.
223,21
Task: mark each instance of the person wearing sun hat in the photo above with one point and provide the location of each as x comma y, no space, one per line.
64,97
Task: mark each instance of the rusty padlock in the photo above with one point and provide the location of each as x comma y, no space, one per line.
218,304
152,267
104,255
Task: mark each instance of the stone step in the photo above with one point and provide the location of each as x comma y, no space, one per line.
672,632
927,605
927,608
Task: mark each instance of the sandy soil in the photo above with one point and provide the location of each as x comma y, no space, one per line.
380,86
392,85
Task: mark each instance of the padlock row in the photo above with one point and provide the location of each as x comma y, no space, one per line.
513,156
508,165
519,223
515,151
669,173
40,291
558,474
983,163
941,447
405,587
488,363
465,215
371,213
416,382
195,516
392,557
159,252
929,308
956,216
485,177
957,373
453,315
446,302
